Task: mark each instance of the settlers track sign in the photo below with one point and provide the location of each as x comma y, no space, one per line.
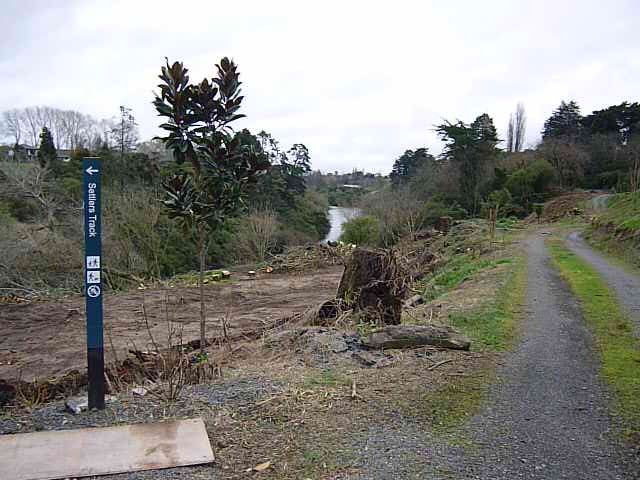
93,280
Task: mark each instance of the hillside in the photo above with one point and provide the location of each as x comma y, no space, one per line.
615,227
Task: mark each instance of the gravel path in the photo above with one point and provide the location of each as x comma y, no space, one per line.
546,417
625,284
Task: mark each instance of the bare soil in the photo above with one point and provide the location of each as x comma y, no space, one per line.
45,339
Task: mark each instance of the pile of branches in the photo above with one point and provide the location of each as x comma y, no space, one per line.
37,392
308,257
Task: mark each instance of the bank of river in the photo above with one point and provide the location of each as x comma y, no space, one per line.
337,217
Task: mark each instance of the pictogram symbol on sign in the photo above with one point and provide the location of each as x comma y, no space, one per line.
93,291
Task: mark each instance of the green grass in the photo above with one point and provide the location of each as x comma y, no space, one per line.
326,378
623,212
619,348
615,229
493,326
456,402
458,270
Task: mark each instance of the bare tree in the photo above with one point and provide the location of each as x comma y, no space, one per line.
510,130
520,128
567,158
516,129
70,129
257,234
31,183
11,125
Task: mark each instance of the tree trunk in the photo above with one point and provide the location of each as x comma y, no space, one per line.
202,251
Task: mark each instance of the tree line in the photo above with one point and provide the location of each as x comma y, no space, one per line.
204,195
473,174
70,129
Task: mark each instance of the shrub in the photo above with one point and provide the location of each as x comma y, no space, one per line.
255,235
361,231
435,209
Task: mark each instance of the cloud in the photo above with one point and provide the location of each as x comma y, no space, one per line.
357,82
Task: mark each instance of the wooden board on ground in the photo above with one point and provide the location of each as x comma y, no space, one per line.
101,451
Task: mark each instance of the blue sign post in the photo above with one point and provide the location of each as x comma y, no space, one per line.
92,171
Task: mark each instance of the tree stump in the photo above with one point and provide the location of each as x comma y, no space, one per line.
373,284
443,224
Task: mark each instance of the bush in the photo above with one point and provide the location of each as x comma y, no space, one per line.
255,235
23,209
435,209
529,184
361,231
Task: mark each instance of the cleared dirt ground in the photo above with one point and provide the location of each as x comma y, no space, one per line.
44,339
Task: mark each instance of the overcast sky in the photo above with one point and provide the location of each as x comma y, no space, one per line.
357,82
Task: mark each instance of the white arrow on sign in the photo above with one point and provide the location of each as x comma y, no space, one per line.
91,170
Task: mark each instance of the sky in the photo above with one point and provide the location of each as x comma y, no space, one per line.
358,82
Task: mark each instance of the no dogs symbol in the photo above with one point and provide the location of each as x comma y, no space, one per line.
93,291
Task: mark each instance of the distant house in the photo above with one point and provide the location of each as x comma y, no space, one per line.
346,185
22,153
27,153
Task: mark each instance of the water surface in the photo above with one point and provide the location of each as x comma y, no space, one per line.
337,216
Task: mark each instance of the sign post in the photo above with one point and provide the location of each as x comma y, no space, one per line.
92,172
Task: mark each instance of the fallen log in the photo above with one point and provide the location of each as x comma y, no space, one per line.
409,336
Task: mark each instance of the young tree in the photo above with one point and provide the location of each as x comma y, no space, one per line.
219,165
125,132
47,154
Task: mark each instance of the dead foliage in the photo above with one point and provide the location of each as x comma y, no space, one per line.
309,257
568,205
31,394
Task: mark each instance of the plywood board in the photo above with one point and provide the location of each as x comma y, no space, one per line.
101,451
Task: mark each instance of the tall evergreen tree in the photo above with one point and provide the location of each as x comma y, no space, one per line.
473,148
47,154
622,120
564,122
407,165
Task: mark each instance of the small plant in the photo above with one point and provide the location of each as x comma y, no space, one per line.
538,208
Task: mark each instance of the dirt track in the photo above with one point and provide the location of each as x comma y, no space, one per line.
47,338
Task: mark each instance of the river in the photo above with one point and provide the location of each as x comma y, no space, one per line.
337,216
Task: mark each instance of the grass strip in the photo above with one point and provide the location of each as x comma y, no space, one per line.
493,326
619,348
456,271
